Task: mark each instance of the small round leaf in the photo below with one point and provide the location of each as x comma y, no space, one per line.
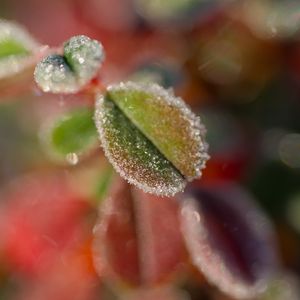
73,133
132,154
151,137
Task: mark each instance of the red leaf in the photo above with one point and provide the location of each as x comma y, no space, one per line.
137,238
41,216
229,239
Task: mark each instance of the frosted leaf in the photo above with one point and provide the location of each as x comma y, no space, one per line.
132,154
16,46
229,239
167,122
53,74
85,56
70,135
70,72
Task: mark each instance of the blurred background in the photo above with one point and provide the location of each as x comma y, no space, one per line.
236,63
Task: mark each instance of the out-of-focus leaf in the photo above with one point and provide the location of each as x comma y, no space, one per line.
284,286
151,137
10,47
229,239
161,293
104,183
18,51
175,13
70,72
16,45
137,239
40,217
73,133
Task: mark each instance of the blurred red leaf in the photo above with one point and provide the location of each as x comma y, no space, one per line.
137,238
229,239
40,217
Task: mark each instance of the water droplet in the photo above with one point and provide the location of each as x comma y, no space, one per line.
72,158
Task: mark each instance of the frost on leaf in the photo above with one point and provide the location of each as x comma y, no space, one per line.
151,137
70,72
132,154
145,229
166,121
229,239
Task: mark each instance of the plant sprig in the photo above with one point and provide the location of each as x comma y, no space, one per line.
150,136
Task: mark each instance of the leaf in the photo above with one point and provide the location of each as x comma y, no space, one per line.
144,229
74,132
40,217
84,56
152,138
10,47
283,286
133,155
166,121
18,53
229,239
16,45
104,183
170,12
161,293
70,72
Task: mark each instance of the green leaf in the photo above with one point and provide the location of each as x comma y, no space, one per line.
167,122
16,48
104,183
73,133
10,47
132,154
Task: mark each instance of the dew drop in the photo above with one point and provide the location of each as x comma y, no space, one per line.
72,158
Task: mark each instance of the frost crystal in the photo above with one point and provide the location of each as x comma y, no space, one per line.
132,154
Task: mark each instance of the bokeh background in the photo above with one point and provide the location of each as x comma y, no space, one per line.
236,63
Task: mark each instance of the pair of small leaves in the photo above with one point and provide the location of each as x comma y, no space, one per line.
227,238
70,72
